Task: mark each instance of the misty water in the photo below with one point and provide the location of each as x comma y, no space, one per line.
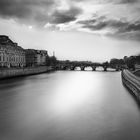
68,105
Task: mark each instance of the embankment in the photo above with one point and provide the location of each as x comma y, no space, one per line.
132,82
15,72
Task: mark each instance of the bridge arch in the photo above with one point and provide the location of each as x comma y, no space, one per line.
76,67
84,67
90,68
66,68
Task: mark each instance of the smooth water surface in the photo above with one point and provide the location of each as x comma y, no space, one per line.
68,105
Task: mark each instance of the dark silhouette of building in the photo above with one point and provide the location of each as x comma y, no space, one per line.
36,57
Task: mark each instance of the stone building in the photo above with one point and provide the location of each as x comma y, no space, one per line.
11,55
36,57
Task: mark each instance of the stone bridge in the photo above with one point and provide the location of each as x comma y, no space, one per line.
83,66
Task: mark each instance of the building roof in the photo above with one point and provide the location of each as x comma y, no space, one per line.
6,42
33,51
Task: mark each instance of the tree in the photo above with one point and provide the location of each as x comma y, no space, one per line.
138,59
130,62
51,61
106,63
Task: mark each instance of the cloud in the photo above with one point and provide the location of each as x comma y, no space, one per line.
38,12
97,23
108,1
116,16
118,25
64,16
28,11
112,27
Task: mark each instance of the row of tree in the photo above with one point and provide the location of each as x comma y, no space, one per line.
126,62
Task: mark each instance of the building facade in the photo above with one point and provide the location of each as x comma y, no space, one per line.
11,55
36,57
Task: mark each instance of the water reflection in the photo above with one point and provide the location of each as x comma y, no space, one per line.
74,91
68,106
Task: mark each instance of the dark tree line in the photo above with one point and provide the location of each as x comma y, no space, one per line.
126,62
51,61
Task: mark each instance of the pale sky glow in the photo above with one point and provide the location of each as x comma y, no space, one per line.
95,30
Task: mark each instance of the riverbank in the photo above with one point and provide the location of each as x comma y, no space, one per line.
16,72
131,82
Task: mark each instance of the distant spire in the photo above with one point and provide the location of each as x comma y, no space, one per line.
53,53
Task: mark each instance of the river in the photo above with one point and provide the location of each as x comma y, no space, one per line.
68,105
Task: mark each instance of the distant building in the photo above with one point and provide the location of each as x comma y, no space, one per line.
36,57
30,57
11,55
42,55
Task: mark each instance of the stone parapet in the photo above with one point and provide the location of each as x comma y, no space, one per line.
132,82
15,72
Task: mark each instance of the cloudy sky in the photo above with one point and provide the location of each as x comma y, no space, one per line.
94,30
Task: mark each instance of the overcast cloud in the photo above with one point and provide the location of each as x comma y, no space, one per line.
113,17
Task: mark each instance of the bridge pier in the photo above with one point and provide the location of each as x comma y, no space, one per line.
105,68
93,68
72,68
82,68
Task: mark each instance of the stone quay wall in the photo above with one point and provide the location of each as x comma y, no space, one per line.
131,82
15,72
